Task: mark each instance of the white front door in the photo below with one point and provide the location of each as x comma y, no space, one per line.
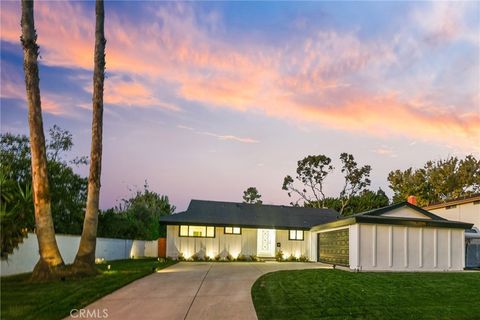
265,242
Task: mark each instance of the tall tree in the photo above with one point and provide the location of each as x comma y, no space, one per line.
251,195
311,172
356,179
50,262
437,181
85,258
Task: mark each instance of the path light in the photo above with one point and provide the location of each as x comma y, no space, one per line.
108,267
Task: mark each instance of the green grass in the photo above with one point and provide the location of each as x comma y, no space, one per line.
21,299
335,294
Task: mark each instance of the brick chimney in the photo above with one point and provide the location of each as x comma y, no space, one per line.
412,200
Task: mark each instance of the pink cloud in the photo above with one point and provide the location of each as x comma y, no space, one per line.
309,80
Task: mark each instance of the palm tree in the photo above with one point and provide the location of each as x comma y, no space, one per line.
50,262
85,259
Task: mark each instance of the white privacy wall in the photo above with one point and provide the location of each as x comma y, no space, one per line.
26,255
402,248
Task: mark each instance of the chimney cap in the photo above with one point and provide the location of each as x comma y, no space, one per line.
412,200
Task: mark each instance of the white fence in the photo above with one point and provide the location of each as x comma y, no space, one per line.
26,255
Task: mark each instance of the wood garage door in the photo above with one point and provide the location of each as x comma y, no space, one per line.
333,247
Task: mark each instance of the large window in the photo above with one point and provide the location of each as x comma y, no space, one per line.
295,235
233,230
197,231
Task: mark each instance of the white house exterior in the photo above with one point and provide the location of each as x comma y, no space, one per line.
466,209
424,244
401,237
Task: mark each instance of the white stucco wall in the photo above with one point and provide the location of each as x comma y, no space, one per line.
467,212
25,256
401,248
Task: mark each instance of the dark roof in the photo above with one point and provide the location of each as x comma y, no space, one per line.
380,211
202,212
375,217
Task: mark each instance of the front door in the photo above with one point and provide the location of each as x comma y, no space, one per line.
265,242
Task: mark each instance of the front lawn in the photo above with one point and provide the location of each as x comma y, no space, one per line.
336,294
21,299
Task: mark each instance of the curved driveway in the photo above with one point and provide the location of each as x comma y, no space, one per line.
193,290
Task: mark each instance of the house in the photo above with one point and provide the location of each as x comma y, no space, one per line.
464,209
400,237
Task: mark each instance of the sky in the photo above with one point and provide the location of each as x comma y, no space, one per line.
204,99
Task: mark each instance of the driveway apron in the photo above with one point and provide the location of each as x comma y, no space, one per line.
192,290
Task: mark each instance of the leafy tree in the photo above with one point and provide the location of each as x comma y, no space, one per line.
67,189
437,181
50,262
364,201
16,214
356,179
251,195
311,172
137,217
85,259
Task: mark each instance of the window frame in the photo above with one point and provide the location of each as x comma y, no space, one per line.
202,237
232,233
296,235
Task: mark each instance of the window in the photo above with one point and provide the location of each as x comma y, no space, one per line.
233,230
197,231
295,235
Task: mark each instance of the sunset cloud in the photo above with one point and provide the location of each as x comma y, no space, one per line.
376,86
225,137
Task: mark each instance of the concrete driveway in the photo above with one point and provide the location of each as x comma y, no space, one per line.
193,290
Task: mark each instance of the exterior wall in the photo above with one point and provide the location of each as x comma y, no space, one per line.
466,212
405,212
296,248
401,248
223,244
26,256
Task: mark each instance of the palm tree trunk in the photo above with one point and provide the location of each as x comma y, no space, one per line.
85,258
50,261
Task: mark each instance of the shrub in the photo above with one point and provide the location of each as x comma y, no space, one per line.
242,257
254,258
279,255
217,257
292,258
197,257
303,258
229,257
180,257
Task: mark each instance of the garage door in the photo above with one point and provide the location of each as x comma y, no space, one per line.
333,247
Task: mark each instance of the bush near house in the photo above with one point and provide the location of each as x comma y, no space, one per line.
336,294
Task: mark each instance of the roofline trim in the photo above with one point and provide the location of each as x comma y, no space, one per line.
453,202
393,221
380,211
253,226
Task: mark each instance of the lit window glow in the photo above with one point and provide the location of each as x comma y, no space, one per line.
233,230
295,235
197,231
